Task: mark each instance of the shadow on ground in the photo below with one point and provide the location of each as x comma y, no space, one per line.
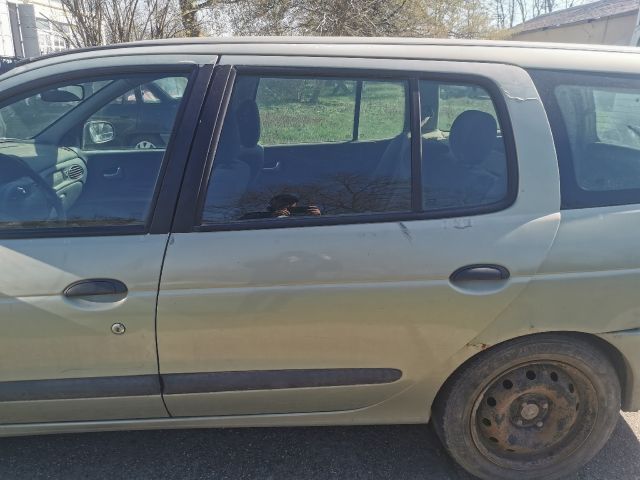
384,452
620,458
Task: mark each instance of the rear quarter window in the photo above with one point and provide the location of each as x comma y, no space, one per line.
595,121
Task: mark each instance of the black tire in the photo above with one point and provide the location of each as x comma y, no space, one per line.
490,415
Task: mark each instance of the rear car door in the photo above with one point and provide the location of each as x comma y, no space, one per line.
81,254
351,284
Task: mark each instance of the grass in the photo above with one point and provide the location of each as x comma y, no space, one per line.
452,107
287,119
317,111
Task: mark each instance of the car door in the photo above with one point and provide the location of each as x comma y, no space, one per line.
352,291
81,264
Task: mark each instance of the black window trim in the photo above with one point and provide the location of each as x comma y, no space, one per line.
159,217
572,196
355,135
190,220
203,149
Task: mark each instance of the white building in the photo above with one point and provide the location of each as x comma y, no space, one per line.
31,28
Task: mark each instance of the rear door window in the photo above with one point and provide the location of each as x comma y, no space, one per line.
464,162
328,178
317,148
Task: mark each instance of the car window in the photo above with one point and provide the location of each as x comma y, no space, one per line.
596,124
305,110
172,86
148,96
252,181
381,115
456,99
127,98
463,167
142,118
56,180
617,116
25,118
463,153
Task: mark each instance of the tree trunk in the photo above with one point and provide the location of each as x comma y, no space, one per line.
189,14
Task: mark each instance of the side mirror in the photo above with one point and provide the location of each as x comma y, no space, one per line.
69,93
100,132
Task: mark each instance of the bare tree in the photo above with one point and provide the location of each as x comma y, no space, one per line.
508,13
190,13
463,18
97,22
84,19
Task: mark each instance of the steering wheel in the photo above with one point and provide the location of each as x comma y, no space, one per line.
14,167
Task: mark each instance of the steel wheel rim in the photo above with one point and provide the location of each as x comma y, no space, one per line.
534,415
144,144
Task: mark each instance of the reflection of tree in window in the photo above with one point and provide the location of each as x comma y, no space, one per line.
345,193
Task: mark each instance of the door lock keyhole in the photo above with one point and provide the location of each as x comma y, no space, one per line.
118,328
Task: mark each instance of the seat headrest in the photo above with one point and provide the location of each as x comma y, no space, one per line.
472,136
248,119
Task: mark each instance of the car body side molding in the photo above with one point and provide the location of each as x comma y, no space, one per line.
68,388
181,383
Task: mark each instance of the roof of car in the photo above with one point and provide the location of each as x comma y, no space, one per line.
524,54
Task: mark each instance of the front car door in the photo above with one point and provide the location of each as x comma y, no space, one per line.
352,284
82,243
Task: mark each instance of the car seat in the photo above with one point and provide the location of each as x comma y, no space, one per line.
459,177
248,124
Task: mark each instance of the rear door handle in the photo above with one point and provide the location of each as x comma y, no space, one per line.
95,286
480,272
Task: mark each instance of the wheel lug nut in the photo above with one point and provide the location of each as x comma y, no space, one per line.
539,424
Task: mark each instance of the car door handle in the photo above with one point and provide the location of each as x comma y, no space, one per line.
275,168
112,174
477,273
95,286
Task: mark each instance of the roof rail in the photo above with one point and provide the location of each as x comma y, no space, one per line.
28,60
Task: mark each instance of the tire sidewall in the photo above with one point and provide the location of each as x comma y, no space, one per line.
455,429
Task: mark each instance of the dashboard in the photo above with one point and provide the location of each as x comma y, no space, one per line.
22,197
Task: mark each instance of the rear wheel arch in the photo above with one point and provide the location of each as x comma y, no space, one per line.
488,407
623,370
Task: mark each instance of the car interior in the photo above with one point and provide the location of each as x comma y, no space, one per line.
53,181
465,166
57,178
603,130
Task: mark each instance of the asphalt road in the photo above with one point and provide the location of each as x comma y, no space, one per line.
389,452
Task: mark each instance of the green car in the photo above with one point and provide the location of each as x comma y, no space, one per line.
327,232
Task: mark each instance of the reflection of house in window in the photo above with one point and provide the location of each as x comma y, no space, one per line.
50,35
32,28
